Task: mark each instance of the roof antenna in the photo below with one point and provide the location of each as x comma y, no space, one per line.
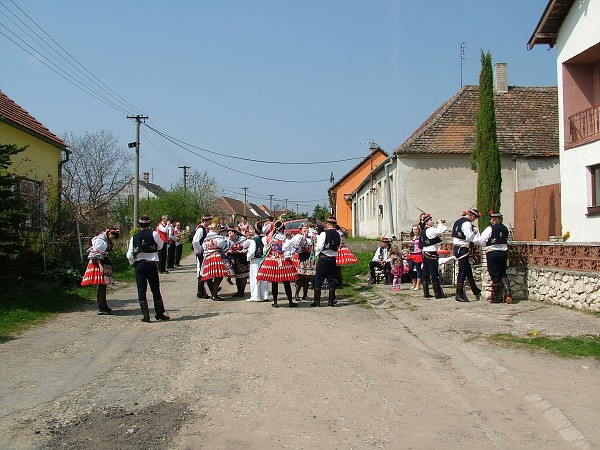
463,56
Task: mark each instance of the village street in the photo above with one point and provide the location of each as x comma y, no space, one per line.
404,373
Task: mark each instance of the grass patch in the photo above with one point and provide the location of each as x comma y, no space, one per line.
25,302
353,277
585,346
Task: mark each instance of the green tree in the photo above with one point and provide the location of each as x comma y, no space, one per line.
321,213
13,210
485,159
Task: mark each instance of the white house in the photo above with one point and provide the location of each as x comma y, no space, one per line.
431,172
574,27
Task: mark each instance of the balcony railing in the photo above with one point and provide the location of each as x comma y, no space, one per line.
585,126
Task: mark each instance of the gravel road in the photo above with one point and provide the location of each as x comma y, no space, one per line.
400,372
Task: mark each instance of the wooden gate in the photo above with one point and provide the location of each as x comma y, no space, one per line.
537,213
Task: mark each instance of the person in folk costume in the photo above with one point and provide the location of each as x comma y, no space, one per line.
430,243
162,228
180,237
172,237
381,259
326,248
244,227
495,240
278,266
268,225
199,236
303,244
415,257
143,254
344,256
99,269
239,260
215,265
464,233
259,290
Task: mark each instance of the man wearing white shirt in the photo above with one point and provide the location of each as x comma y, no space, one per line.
328,243
430,243
464,233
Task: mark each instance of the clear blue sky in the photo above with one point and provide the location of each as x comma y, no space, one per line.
272,80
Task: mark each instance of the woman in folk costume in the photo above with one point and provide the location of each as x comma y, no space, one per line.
99,269
278,266
239,261
214,265
344,256
304,259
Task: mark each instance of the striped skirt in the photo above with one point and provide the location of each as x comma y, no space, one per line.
214,266
277,270
345,256
96,275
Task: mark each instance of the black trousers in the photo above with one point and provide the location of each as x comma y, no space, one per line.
178,253
325,270
146,274
171,256
496,265
430,267
464,266
162,258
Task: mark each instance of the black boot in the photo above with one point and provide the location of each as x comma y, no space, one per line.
305,289
103,309
214,288
426,292
496,293
297,293
437,290
159,310
145,311
474,289
331,301
240,283
508,296
317,298
201,290
275,293
288,293
460,293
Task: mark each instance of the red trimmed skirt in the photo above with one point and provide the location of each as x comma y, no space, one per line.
94,275
345,256
213,266
277,270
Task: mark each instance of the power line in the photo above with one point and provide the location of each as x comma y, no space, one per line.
175,140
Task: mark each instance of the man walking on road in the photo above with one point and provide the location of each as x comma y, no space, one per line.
328,243
143,252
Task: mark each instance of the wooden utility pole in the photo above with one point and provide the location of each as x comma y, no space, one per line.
136,190
185,168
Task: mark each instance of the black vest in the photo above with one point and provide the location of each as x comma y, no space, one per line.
258,253
332,240
143,242
424,241
457,228
499,235
204,232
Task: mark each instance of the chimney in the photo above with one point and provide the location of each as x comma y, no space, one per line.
500,78
146,177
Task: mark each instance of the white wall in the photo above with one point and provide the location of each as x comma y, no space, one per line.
578,32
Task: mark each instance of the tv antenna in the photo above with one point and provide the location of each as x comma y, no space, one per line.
463,56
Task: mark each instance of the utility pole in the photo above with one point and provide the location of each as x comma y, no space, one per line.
286,204
136,190
185,168
271,203
245,199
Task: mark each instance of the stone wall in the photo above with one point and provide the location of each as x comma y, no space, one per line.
573,289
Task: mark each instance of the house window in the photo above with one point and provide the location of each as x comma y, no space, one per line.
594,171
34,196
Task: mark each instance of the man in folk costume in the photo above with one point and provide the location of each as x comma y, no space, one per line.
163,232
215,265
99,269
268,225
143,253
244,227
430,243
381,259
495,240
180,237
239,261
259,290
172,239
326,248
197,240
278,266
464,233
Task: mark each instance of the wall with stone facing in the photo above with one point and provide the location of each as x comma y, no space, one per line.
573,289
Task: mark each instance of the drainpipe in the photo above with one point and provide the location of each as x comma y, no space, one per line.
389,192
59,183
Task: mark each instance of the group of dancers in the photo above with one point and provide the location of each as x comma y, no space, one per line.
266,253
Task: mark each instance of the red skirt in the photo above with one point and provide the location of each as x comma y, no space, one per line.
345,256
277,270
93,274
213,266
416,257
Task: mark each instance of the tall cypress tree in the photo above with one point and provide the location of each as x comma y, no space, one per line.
485,159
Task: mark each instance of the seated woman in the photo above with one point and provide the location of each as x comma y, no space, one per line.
381,259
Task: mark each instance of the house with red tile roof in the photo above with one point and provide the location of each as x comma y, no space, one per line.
573,28
431,170
38,168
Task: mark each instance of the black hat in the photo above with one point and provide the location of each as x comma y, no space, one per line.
495,213
474,212
331,220
144,220
207,217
